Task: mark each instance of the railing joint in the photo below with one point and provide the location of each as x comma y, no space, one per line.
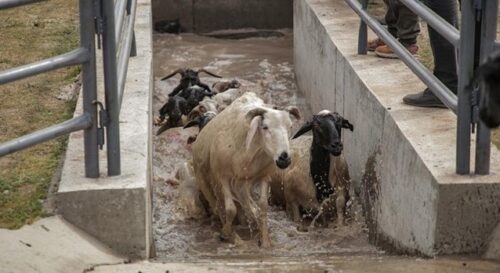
103,122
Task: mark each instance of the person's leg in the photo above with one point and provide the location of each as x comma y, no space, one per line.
407,24
445,68
390,19
407,29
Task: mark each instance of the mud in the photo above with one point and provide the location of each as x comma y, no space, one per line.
264,66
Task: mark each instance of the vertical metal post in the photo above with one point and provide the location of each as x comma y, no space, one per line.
363,32
111,88
466,64
89,89
488,35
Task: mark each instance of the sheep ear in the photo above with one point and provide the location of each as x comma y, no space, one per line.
191,139
346,124
294,112
208,72
254,125
178,71
194,122
255,112
304,129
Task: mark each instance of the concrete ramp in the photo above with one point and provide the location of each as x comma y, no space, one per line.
51,245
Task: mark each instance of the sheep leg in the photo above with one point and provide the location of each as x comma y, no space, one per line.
340,206
265,241
230,211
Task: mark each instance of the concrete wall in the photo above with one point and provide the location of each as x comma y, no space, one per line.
209,15
117,210
401,158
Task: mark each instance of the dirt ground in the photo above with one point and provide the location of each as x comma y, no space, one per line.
28,34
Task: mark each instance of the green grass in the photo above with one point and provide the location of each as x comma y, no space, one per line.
28,34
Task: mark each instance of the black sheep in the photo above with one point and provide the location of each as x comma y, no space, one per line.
189,78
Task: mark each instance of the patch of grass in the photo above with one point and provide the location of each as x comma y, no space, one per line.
32,33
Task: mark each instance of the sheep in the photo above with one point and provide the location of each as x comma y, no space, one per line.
488,73
189,77
199,121
237,151
226,98
206,105
175,108
223,86
319,173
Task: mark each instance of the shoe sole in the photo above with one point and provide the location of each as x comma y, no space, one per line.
431,105
391,56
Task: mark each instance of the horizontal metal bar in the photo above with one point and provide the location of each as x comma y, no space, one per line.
120,8
5,4
66,127
124,55
437,87
77,56
437,22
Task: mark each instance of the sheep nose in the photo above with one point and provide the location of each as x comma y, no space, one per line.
284,156
337,145
283,160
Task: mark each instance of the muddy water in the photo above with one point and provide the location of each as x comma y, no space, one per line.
264,66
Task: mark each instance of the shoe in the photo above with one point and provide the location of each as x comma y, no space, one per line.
373,44
386,52
423,99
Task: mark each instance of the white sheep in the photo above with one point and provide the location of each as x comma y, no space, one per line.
237,151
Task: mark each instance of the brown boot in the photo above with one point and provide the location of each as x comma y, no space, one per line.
386,52
373,44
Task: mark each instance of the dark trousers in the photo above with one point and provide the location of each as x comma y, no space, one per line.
445,67
402,23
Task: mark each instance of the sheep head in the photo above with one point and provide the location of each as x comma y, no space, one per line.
269,129
327,130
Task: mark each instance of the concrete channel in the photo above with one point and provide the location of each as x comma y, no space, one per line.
407,198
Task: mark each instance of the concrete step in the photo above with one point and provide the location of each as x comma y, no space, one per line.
312,264
51,245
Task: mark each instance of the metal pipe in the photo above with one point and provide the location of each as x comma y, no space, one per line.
125,51
363,32
488,35
77,56
5,4
89,88
66,127
466,64
437,87
120,8
444,28
111,90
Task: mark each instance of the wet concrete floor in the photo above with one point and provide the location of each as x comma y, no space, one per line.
263,66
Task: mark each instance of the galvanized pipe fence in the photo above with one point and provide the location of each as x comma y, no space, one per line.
103,24
474,42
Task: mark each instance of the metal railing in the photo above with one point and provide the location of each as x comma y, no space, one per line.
474,43
112,22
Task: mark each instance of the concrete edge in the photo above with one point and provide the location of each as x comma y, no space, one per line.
117,210
417,203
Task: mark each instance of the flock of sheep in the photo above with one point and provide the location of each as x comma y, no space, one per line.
243,158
